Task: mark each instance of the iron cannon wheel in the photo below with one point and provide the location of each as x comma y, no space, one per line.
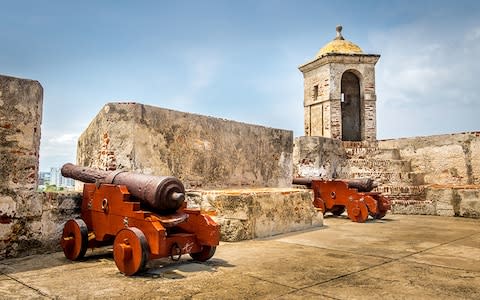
74,240
204,255
130,250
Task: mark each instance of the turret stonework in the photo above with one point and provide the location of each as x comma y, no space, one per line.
339,92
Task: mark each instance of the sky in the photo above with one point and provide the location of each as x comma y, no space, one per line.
239,60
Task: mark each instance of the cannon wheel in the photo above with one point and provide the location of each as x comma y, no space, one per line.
204,255
383,207
357,211
74,240
337,210
130,250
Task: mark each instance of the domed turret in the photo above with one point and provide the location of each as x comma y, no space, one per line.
339,92
339,45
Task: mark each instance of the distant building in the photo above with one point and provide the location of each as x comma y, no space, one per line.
54,177
43,178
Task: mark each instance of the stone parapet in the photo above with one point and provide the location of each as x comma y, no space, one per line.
444,159
20,119
204,152
40,231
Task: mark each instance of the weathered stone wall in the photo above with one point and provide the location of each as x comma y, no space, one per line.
42,235
441,159
315,156
30,222
458,201
20,119
201,151
434,175
256,213
444,177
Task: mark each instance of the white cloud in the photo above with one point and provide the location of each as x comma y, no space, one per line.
57,148
63,139
202,68
203,72
427,76
473,35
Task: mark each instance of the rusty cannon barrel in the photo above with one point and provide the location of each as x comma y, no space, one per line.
361,184
164,194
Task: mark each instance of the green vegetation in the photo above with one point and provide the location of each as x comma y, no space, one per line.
51,188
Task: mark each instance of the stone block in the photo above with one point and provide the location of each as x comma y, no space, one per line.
203,152
470,202
6,229
458,201
283,212
474,152
413,207
443,199
256,213
8,206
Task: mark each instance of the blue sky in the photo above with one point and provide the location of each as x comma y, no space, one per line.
238,60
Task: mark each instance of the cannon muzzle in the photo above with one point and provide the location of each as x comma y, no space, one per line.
164,194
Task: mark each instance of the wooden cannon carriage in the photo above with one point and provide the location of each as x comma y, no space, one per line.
144,217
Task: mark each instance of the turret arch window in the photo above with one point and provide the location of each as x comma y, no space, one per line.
350,107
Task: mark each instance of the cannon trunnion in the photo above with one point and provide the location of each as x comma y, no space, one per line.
110,215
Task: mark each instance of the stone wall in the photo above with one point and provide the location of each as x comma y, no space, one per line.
433,175
20,119
42,234
257,213
442,159
446,173
458,201
201,151
315,156
30,222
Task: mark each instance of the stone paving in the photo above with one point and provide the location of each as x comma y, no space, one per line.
401,257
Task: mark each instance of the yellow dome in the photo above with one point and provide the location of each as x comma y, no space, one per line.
339,45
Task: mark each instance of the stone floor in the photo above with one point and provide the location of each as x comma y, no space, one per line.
401,257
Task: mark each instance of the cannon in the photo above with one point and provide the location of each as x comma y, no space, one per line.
145,217
353,195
